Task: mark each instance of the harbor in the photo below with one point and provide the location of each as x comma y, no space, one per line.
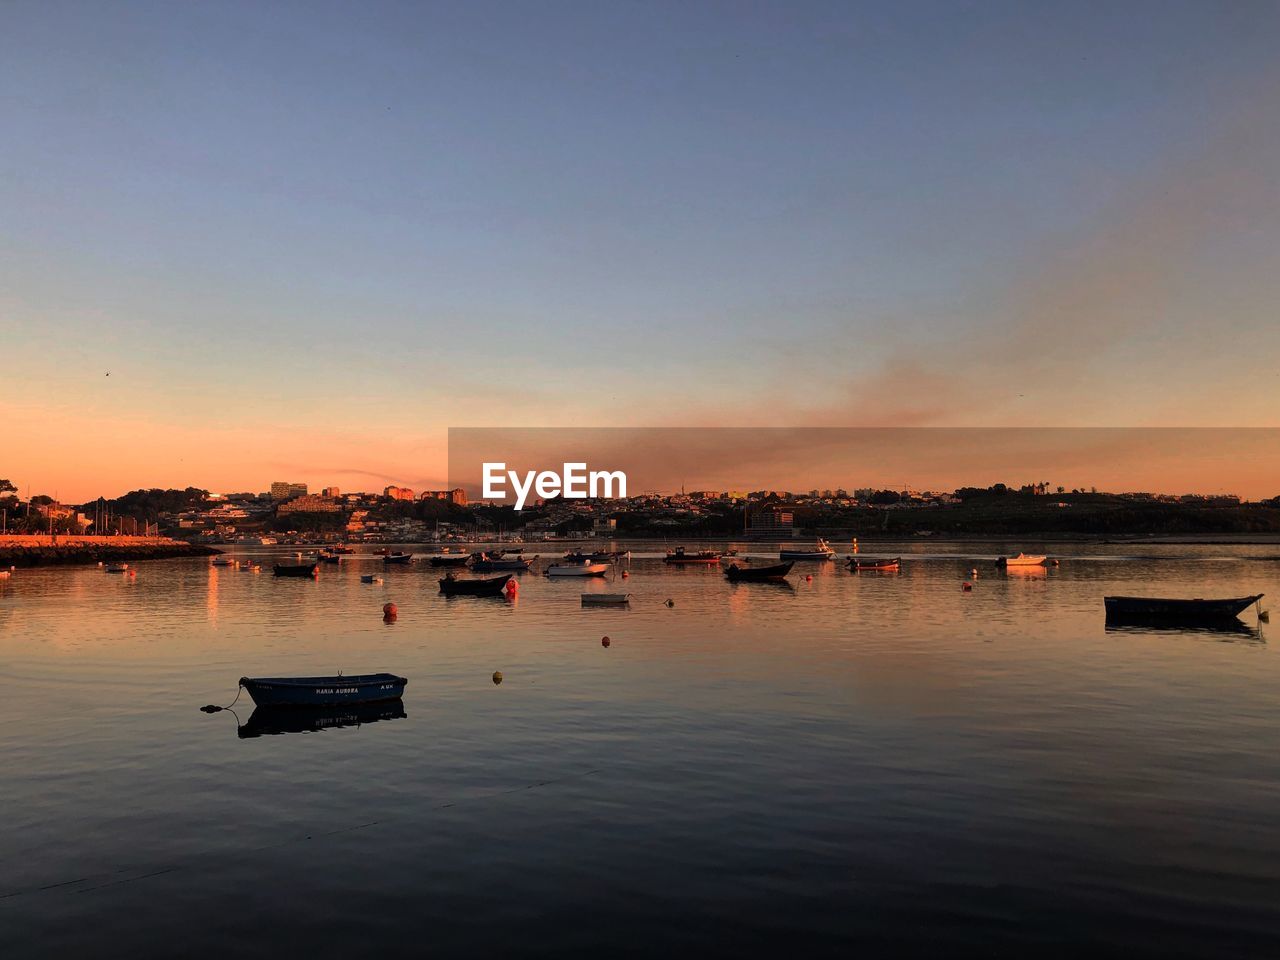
838,716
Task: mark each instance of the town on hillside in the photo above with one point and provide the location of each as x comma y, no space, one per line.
288,512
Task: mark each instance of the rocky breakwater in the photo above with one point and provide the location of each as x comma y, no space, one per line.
42,550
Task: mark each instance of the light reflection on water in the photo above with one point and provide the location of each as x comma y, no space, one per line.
876,759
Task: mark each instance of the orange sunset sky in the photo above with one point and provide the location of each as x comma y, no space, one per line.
304,248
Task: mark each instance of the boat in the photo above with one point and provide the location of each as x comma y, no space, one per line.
341,548
598,556
488,563
681,557
269,721
267,541
221,561
578,570
1166,610
295,569
450,560
330,558
606,599
117,567
1021,560
821,551
874,563
451,586
323,691
402,558
773,574
369,578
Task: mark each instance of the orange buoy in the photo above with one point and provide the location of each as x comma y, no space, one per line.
605,641
512,588
625,574
390,609
808,578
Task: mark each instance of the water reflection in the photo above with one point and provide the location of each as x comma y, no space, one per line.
1231,631
269,721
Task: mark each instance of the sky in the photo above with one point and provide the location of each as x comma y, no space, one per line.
243,242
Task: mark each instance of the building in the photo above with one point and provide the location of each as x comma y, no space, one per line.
398,493
456,496
309,503
331,492
607,527
284,490
771,521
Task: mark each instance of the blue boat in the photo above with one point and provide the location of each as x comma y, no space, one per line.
324,691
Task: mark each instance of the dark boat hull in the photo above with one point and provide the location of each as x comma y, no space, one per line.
494,566
492,587
774,573
1163,610
323,691
402,558
461,560
295,569
269,721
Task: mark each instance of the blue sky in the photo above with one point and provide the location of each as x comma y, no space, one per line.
285,227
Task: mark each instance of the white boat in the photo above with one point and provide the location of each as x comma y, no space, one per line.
222,561
1021,560
821,551
606,599
578,570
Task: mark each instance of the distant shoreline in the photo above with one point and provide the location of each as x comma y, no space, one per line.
41,550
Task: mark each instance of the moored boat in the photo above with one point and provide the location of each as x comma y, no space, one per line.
1172,610
820,551
324,691
330,558
774,573
578,570
1021,560
497,561
295,569
681,557
401,558
606,599
370,578
221,561
117,567
451,586
449,560
874,563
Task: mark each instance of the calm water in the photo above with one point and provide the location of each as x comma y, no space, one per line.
865,760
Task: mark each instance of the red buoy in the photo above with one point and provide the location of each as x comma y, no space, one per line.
512,588
389,609
625,574
967,586
604,641
808,578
